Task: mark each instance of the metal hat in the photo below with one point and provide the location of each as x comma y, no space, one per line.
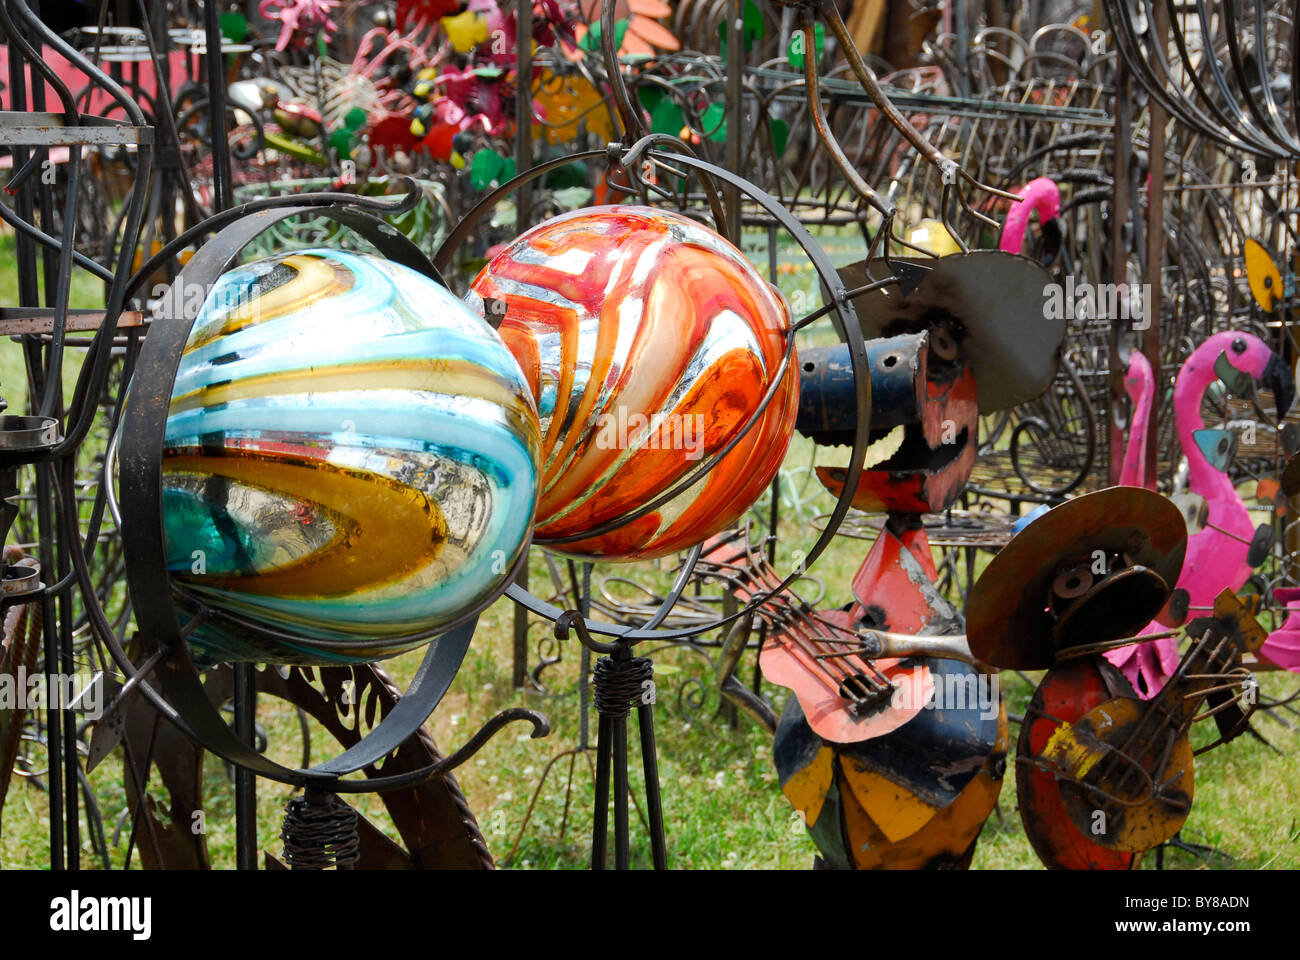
1040,595
999,301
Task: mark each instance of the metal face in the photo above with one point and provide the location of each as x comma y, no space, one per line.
934,460
1005,329
1010,620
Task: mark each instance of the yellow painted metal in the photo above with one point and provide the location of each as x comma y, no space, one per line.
933,236
1070,756
1252,634
947,839
1113,800
896,812
1265,281
807,789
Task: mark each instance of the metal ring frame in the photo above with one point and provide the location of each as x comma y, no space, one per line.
160,629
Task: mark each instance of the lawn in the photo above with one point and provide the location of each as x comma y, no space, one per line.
722,804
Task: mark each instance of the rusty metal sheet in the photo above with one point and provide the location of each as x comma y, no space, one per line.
948,840
1009,337
895,589
21,646
1138,819
44,129
1291,476
18,321
938,751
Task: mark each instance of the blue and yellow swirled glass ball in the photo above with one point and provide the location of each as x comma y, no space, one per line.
350,462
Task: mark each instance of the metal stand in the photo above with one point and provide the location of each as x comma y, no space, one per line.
621,680
319,832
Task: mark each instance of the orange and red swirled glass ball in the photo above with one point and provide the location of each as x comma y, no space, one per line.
648,341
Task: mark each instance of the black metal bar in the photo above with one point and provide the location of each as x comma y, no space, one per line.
654,802
53,716
245,781
524,111
584,676
519,665
622,839
600,818
245,692
67,667
1155,251
735,113
216,63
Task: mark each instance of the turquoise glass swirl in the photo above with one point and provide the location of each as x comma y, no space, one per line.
351,460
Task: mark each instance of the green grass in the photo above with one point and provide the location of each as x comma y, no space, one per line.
722,804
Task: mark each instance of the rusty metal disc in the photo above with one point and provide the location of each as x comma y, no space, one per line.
1008,619
1008,328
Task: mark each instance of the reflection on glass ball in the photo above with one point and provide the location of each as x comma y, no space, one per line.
351,460
648,341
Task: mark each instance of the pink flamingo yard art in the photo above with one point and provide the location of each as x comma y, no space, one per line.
1283,645
1140,385
1216,556
1039,195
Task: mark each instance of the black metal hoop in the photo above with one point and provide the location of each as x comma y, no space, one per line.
160,629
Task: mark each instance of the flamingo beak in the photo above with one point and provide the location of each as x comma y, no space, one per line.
1278,378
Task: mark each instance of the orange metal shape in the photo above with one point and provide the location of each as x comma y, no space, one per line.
1065,694
884,587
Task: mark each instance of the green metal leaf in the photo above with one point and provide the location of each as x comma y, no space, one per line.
570,175
714,122
486,166
667,118
650,95
234,26
341,142
795,52
591,39
780,134
753,27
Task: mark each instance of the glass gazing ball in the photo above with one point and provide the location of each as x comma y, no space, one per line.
351,460
648,341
